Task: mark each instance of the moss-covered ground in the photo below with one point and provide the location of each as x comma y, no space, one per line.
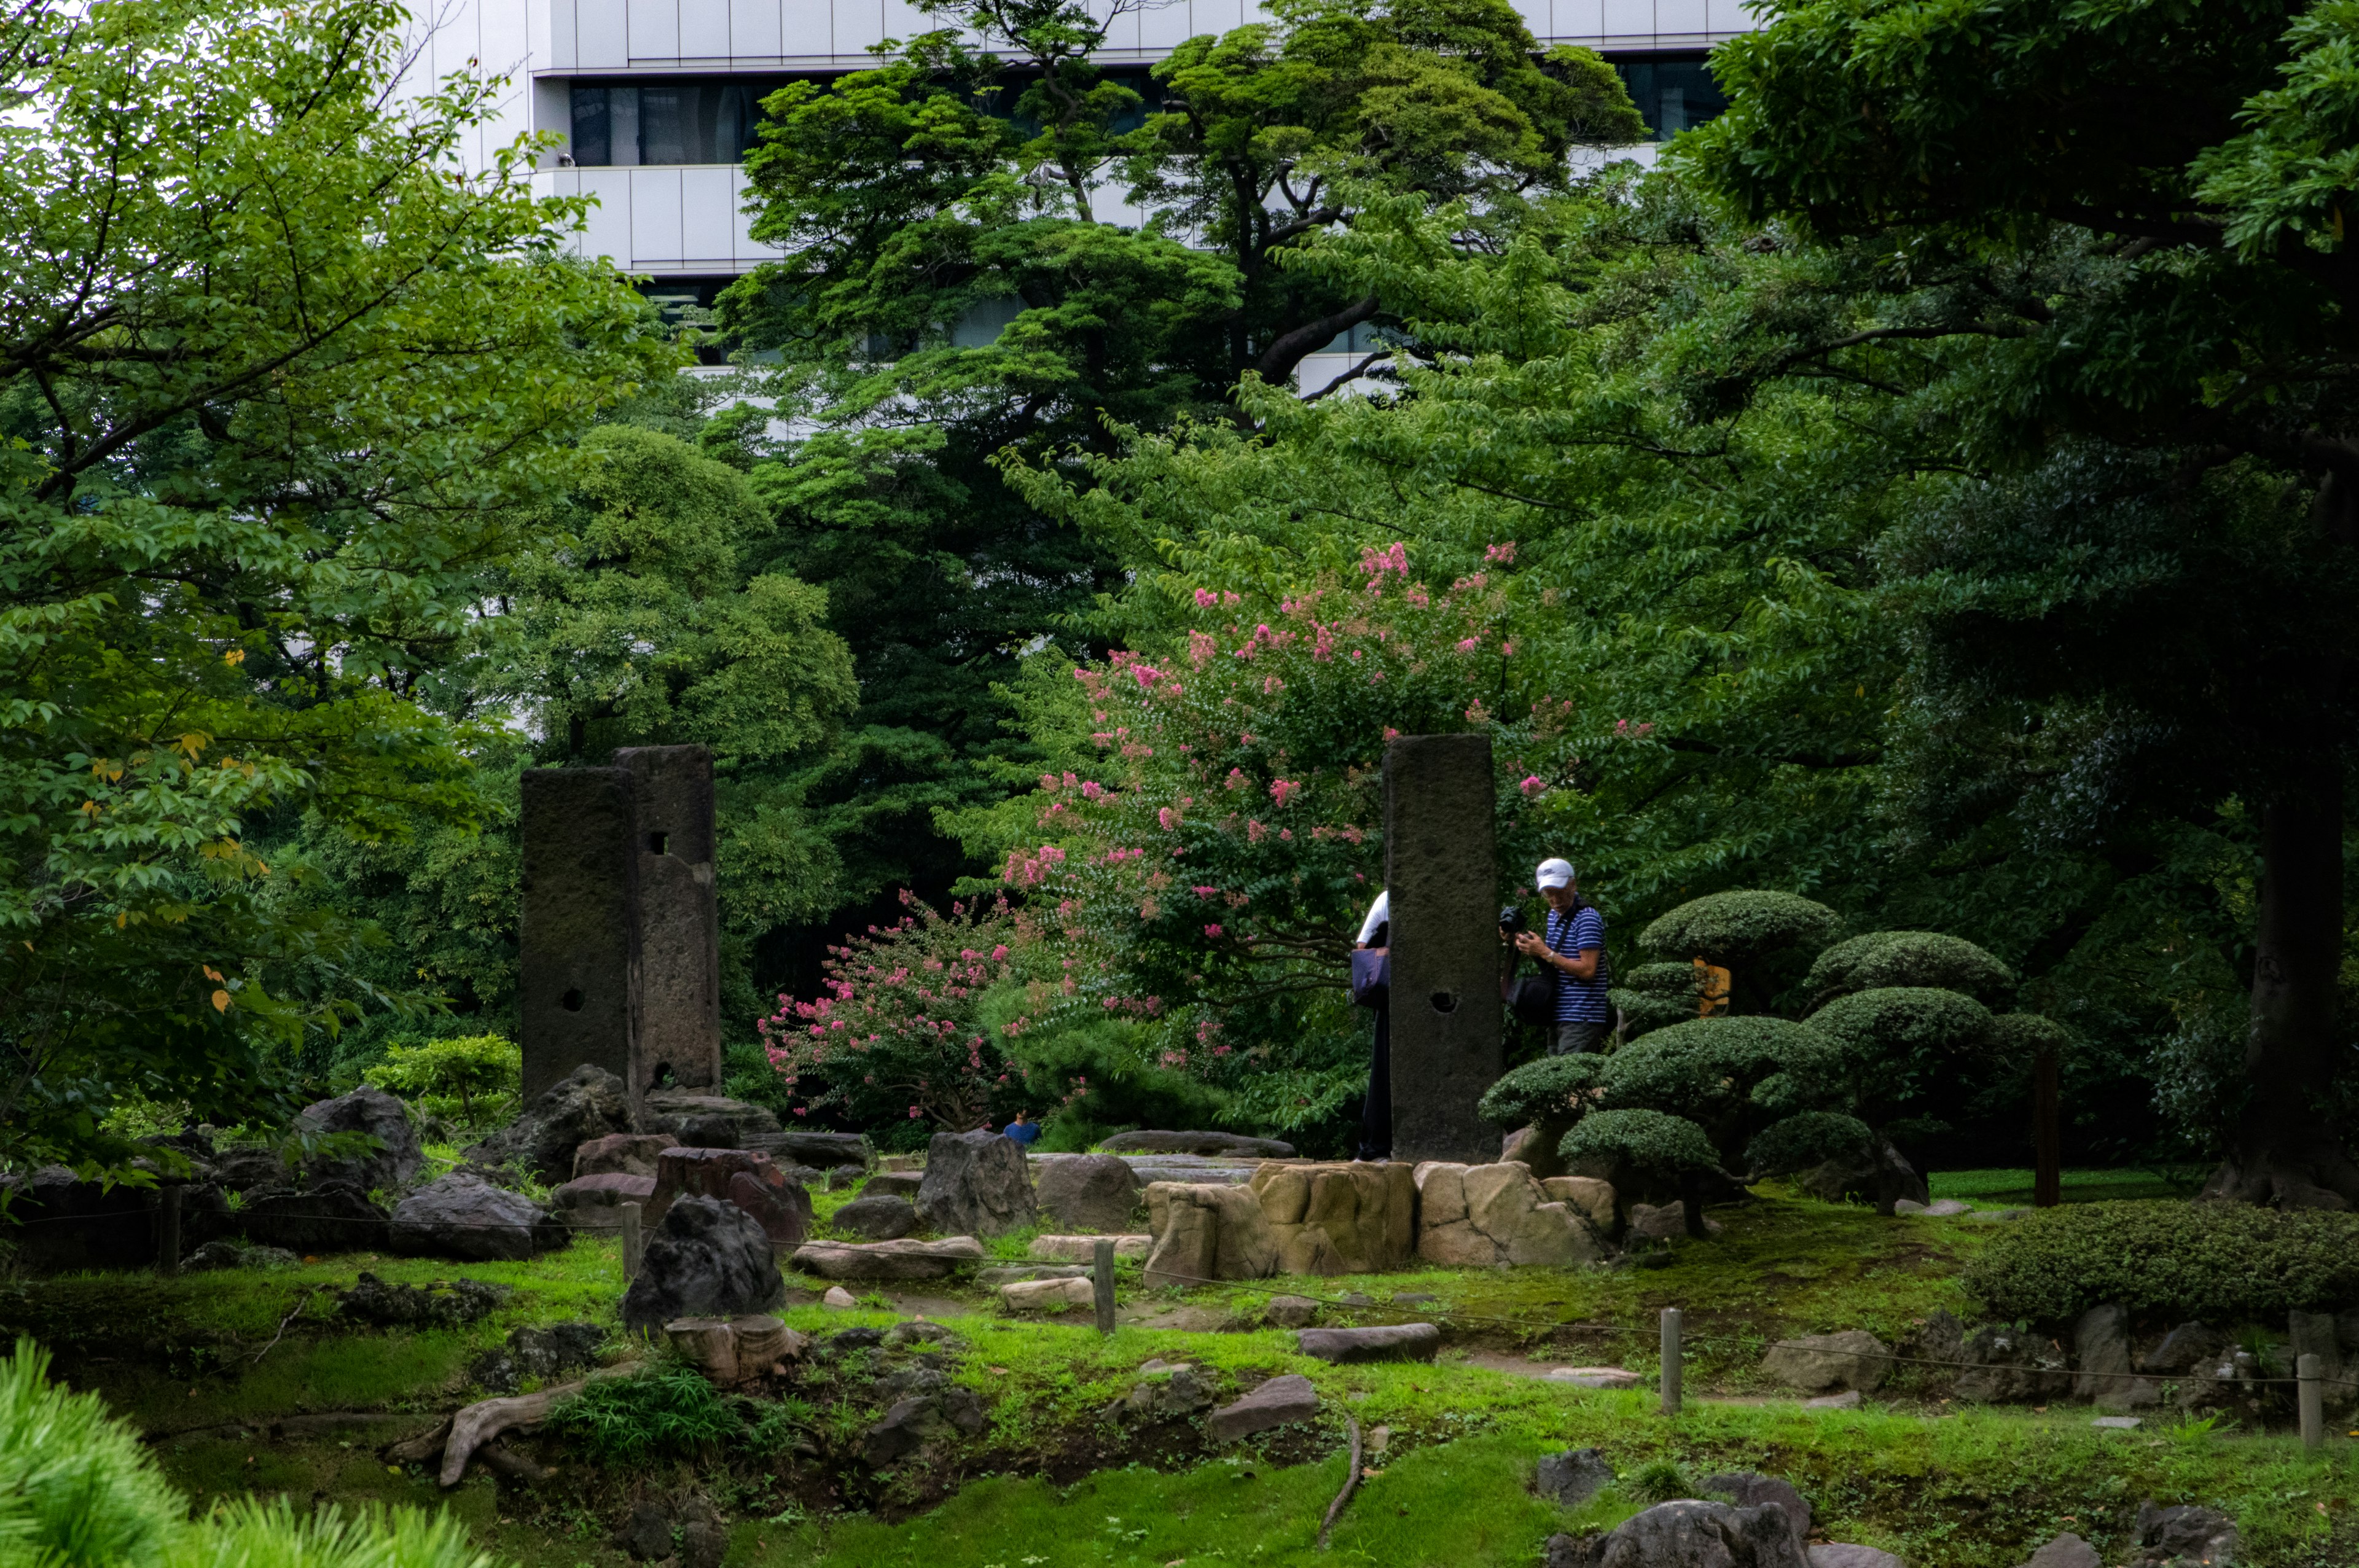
251,1381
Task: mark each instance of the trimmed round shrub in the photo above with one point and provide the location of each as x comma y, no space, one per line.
1895,1020
2224,1263
1649,1139
1714,1061
2017,1037
1735,929
1672,982
1813,1138
1884,959
1542,1091
1643,1014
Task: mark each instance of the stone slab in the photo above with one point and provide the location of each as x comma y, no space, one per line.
576,933
676,997
1390,1342
1594,1377
1281,1402
1085,1248
1233,1144
903,1260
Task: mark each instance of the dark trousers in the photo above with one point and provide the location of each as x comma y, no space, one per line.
1376,1110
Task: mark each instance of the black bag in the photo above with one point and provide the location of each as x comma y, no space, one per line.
1532,999
1372,977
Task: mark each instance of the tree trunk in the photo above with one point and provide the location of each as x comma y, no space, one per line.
2284,1151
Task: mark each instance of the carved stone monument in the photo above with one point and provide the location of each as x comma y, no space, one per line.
621,924
1440,869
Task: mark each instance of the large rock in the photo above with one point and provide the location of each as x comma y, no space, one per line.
877,1218
2066,1550
464,1215
620,1154
1481,1217
334,1217
1592,1197
887,1259
1206,1233
1752,1490
1281,1402
596,1202
741,1176
1573,1476
2189,1534
707,1258
1205,1143
1389,1342
1883,1179
69,1223
1353,1218
2101,1353
1049,1295
1535,1146
589,1102
976,1183
1687,1534
1834,1555
1085,1248
1087,1192
1817,1362
820,1151
671,1111
926,1406
2009,1364
2183,1348
395,1155
893,1184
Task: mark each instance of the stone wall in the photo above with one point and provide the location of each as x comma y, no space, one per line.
1485,1215
1345,1218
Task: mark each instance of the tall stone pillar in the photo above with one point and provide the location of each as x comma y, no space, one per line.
1440,869
620,932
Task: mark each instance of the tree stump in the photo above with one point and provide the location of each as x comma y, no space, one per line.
709,1343
764,1342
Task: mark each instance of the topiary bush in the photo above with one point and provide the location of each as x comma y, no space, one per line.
1810,1138
1655,996
1736,930
1908,959
2224,1263
1911,1054
1651,1141
1550,1090
2017,1037
1708,1070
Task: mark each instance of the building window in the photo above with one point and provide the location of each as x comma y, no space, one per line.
672,121
1673,93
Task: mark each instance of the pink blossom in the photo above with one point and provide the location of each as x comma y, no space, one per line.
1169,818
1507,649
1093,790
913,1113
1255,832
1203,892
1236,779
1271,685
1531,784
1417,596
1466,645
1285,790
1212,930
1227,598
1391,734
1049,782
803,1111
1204,599
1201,646
1325,649
999,954
1145,675
1500,555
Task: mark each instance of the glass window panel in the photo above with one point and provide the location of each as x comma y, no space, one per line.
673,120
1672,95
622,112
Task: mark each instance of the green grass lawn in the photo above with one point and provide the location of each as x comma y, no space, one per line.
2010,1189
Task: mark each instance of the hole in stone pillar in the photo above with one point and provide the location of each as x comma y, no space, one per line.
570,1001
1445,1002
658,843
661,1079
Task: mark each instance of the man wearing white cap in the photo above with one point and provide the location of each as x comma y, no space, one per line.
1574,948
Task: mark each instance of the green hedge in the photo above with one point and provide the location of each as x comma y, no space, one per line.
1548,1091
2224,1263
1741,928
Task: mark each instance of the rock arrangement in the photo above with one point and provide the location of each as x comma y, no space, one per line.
906,1259
1087,1192
707,1259
976,1183
595,1202
587,1103
1485,1215
621,1155
749,1180
464,1215
1204,1143
373,1113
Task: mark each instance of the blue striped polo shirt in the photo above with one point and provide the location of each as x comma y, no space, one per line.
1577,1000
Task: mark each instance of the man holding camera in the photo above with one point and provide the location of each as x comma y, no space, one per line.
1574,948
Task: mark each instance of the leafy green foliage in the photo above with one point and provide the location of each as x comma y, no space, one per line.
1652,1140
1908,959
2221,1262
1809,1138
1907,1051
1548,1092
668,1410
1737,930
458,1069
278,380
1728,1074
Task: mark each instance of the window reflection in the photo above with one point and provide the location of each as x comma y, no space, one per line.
1672,94
669,121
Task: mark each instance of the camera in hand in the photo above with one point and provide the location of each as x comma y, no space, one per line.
1511,921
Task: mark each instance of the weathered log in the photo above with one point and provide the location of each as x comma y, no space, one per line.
502,1460
419,1449
709,1345
478,1424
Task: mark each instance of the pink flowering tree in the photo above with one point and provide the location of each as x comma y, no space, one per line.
1200,859
898,1030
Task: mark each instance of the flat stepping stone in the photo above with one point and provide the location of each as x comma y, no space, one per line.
1848,1400
1085,1248
2117,1423
1594,1377
1049,1295
1393,1342
886,1260
1208,1143
1018,1273
1281,1402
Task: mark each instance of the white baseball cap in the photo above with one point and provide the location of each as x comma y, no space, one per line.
1555,873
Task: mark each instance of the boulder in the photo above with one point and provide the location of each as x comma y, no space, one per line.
1940,1337
1752,1490
820,1151
1049,1295
672,1110
1534,1147
2066,1550
589,1102
648,1534
2182,1349
69,1223
334,1217
2101,1354
1573,1476
243,1165
1085,1248
933,1408
843,1178
1817,1362
544,1354
740,1176
1087,1192
1281,1402
2193,1532
877,1218
444,1303
1205,1143
1206,1233
838,1299
707,1258
464,1215
1485,1215
706,1132
1391,1342
1883,1179
1289,1311
893,1184
1168,1393
976,1183
903,1260
1667,1222
395,1155
1687,1534
596,1202
703,1537
620,1154
1831,1554
1586,1196
2008,1364
1349,1217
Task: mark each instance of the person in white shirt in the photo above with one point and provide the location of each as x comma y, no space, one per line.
1376,1109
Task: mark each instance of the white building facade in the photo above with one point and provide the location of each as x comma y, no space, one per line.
657,100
